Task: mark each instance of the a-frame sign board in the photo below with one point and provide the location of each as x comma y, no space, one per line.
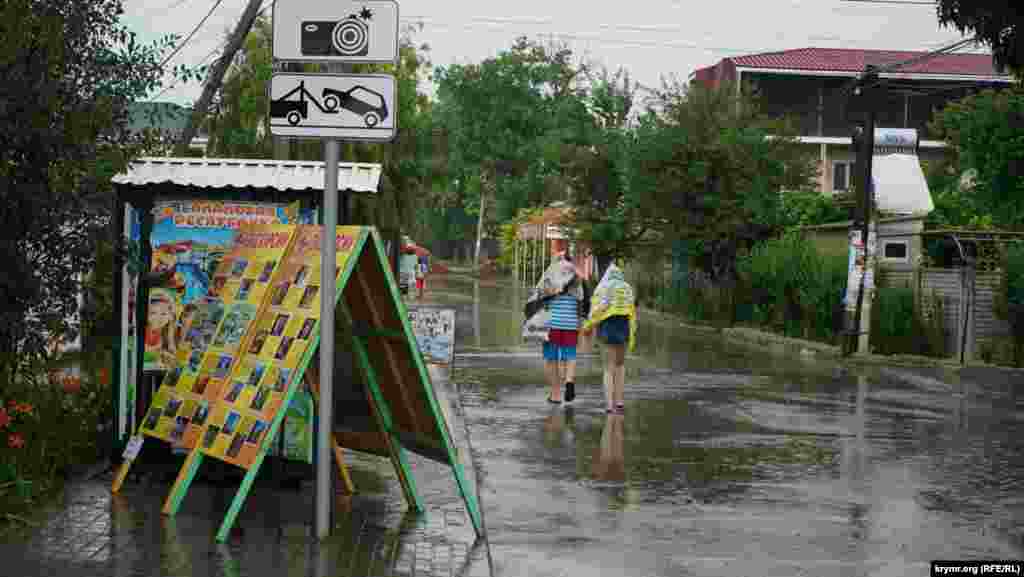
399,393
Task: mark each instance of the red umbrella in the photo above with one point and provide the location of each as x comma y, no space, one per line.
413,248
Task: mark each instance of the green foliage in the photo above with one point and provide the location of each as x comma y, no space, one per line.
807,208
995,22
505,121
795,290
899,327
606,214
71,72
1008,304
986,134
46,427
705,164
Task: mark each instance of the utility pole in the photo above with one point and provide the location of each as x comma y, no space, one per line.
860,279
216,76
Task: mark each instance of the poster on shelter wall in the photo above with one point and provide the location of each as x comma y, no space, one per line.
191,237
129,327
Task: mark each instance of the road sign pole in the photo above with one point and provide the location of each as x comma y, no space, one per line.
324,496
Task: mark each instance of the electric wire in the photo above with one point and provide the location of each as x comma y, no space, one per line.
208,58
191,34
893,2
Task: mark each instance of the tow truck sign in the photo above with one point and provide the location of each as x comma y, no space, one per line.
345,106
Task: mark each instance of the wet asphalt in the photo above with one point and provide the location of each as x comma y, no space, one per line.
728,461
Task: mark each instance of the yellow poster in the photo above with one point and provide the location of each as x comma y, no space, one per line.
214,330
269,364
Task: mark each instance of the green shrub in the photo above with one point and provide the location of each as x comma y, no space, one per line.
47,426
899,327
1008,304
793,288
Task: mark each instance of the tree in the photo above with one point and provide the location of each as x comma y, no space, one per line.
985,133
998,23
605,214
504,120
714,168
71,71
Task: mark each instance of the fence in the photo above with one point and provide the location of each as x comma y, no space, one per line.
956,273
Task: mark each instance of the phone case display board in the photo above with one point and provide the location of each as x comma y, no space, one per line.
268,374
215,330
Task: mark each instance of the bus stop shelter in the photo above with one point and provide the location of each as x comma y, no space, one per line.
200,193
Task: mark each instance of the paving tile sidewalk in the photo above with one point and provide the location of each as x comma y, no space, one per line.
91,532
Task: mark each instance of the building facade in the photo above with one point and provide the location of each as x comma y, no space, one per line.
809,84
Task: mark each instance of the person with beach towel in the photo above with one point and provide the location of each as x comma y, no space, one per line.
613,313
557,297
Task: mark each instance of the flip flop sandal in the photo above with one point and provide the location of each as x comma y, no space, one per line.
554,402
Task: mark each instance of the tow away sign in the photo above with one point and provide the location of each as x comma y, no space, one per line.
345,106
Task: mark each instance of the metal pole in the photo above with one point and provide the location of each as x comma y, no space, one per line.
863,299
328,241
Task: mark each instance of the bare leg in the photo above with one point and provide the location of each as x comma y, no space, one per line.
619,373
609,377
554,383
570,371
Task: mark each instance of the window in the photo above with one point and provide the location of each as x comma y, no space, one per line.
896,250
841,172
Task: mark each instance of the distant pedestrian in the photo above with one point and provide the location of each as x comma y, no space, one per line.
421,274
613,312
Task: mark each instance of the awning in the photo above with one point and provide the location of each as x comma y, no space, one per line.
900,186
248,173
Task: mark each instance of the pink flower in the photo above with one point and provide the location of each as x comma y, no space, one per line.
15,441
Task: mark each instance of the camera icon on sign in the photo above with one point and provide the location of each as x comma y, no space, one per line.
347,37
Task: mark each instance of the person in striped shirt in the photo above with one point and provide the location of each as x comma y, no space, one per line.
563,334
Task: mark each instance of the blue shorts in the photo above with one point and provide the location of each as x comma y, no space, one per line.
553,352
614,330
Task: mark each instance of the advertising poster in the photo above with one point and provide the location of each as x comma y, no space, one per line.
270,362
129,327
189,239
213,333
298,428
434,330
855,270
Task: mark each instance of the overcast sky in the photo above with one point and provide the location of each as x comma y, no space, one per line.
650,38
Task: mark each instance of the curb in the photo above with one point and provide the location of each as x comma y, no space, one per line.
774,342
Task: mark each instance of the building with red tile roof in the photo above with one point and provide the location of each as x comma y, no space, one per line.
811,84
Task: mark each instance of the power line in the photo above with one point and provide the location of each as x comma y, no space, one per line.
468,25
896,2
207,59
546,22
191,34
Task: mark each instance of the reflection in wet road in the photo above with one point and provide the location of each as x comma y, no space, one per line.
732,462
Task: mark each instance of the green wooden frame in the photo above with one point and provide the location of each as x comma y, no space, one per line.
435,409
379,405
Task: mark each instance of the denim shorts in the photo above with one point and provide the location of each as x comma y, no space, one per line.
614,330
555,352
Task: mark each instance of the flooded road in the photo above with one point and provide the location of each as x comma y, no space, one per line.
730,461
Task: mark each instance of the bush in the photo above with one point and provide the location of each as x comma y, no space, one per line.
900,327
49,423
1008,304
794,289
